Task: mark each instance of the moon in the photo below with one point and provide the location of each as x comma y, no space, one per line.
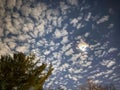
83,46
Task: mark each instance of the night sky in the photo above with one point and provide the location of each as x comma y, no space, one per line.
79,37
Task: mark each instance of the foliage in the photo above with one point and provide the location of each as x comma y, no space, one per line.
93,86
21,72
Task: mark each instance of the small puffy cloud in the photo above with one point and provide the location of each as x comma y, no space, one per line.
74,22
18,4
64,8
65,40
79,26
47,52
22,37
4,49
69,52
83,57
2,10
35,12
112,50
103,19
108,63
73,2
98,74
11,4
110,26
25,10
66,47
1,32
12,45
40,28
87,34
23,48
88,16
60,33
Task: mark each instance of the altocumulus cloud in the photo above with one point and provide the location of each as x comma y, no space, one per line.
53,30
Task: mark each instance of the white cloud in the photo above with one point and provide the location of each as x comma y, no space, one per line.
4,49
60,33
88,16
74,22
112,50
41,29
12,45
47,52
110,64
1,32
23,48
22,37
60,21
73,2
108,72
66,47
87,34
69,52
18,4
9,26
11,3
65,40
103,19
63,7
26,10
80,25
35,12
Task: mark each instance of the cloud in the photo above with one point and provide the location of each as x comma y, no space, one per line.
60,33
65,40
110,64
88,16
74,22
103,19
18,4
1,32
22,48
44,29
64,7
112,50
26,10
11,4
69,52
12,45
73,2
4,49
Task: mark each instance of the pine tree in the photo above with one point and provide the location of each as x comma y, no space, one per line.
20,72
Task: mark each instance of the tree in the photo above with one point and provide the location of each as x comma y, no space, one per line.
21,72
91,85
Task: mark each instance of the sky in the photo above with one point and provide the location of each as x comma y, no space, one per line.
79,37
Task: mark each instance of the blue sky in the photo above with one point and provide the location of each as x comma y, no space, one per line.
53,31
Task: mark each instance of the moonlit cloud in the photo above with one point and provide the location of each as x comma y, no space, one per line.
82,46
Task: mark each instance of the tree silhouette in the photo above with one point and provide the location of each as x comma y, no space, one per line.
91,85
21,72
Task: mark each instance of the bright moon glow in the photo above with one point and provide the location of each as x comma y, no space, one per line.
82,46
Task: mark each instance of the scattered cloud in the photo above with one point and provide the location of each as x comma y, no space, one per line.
52,34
